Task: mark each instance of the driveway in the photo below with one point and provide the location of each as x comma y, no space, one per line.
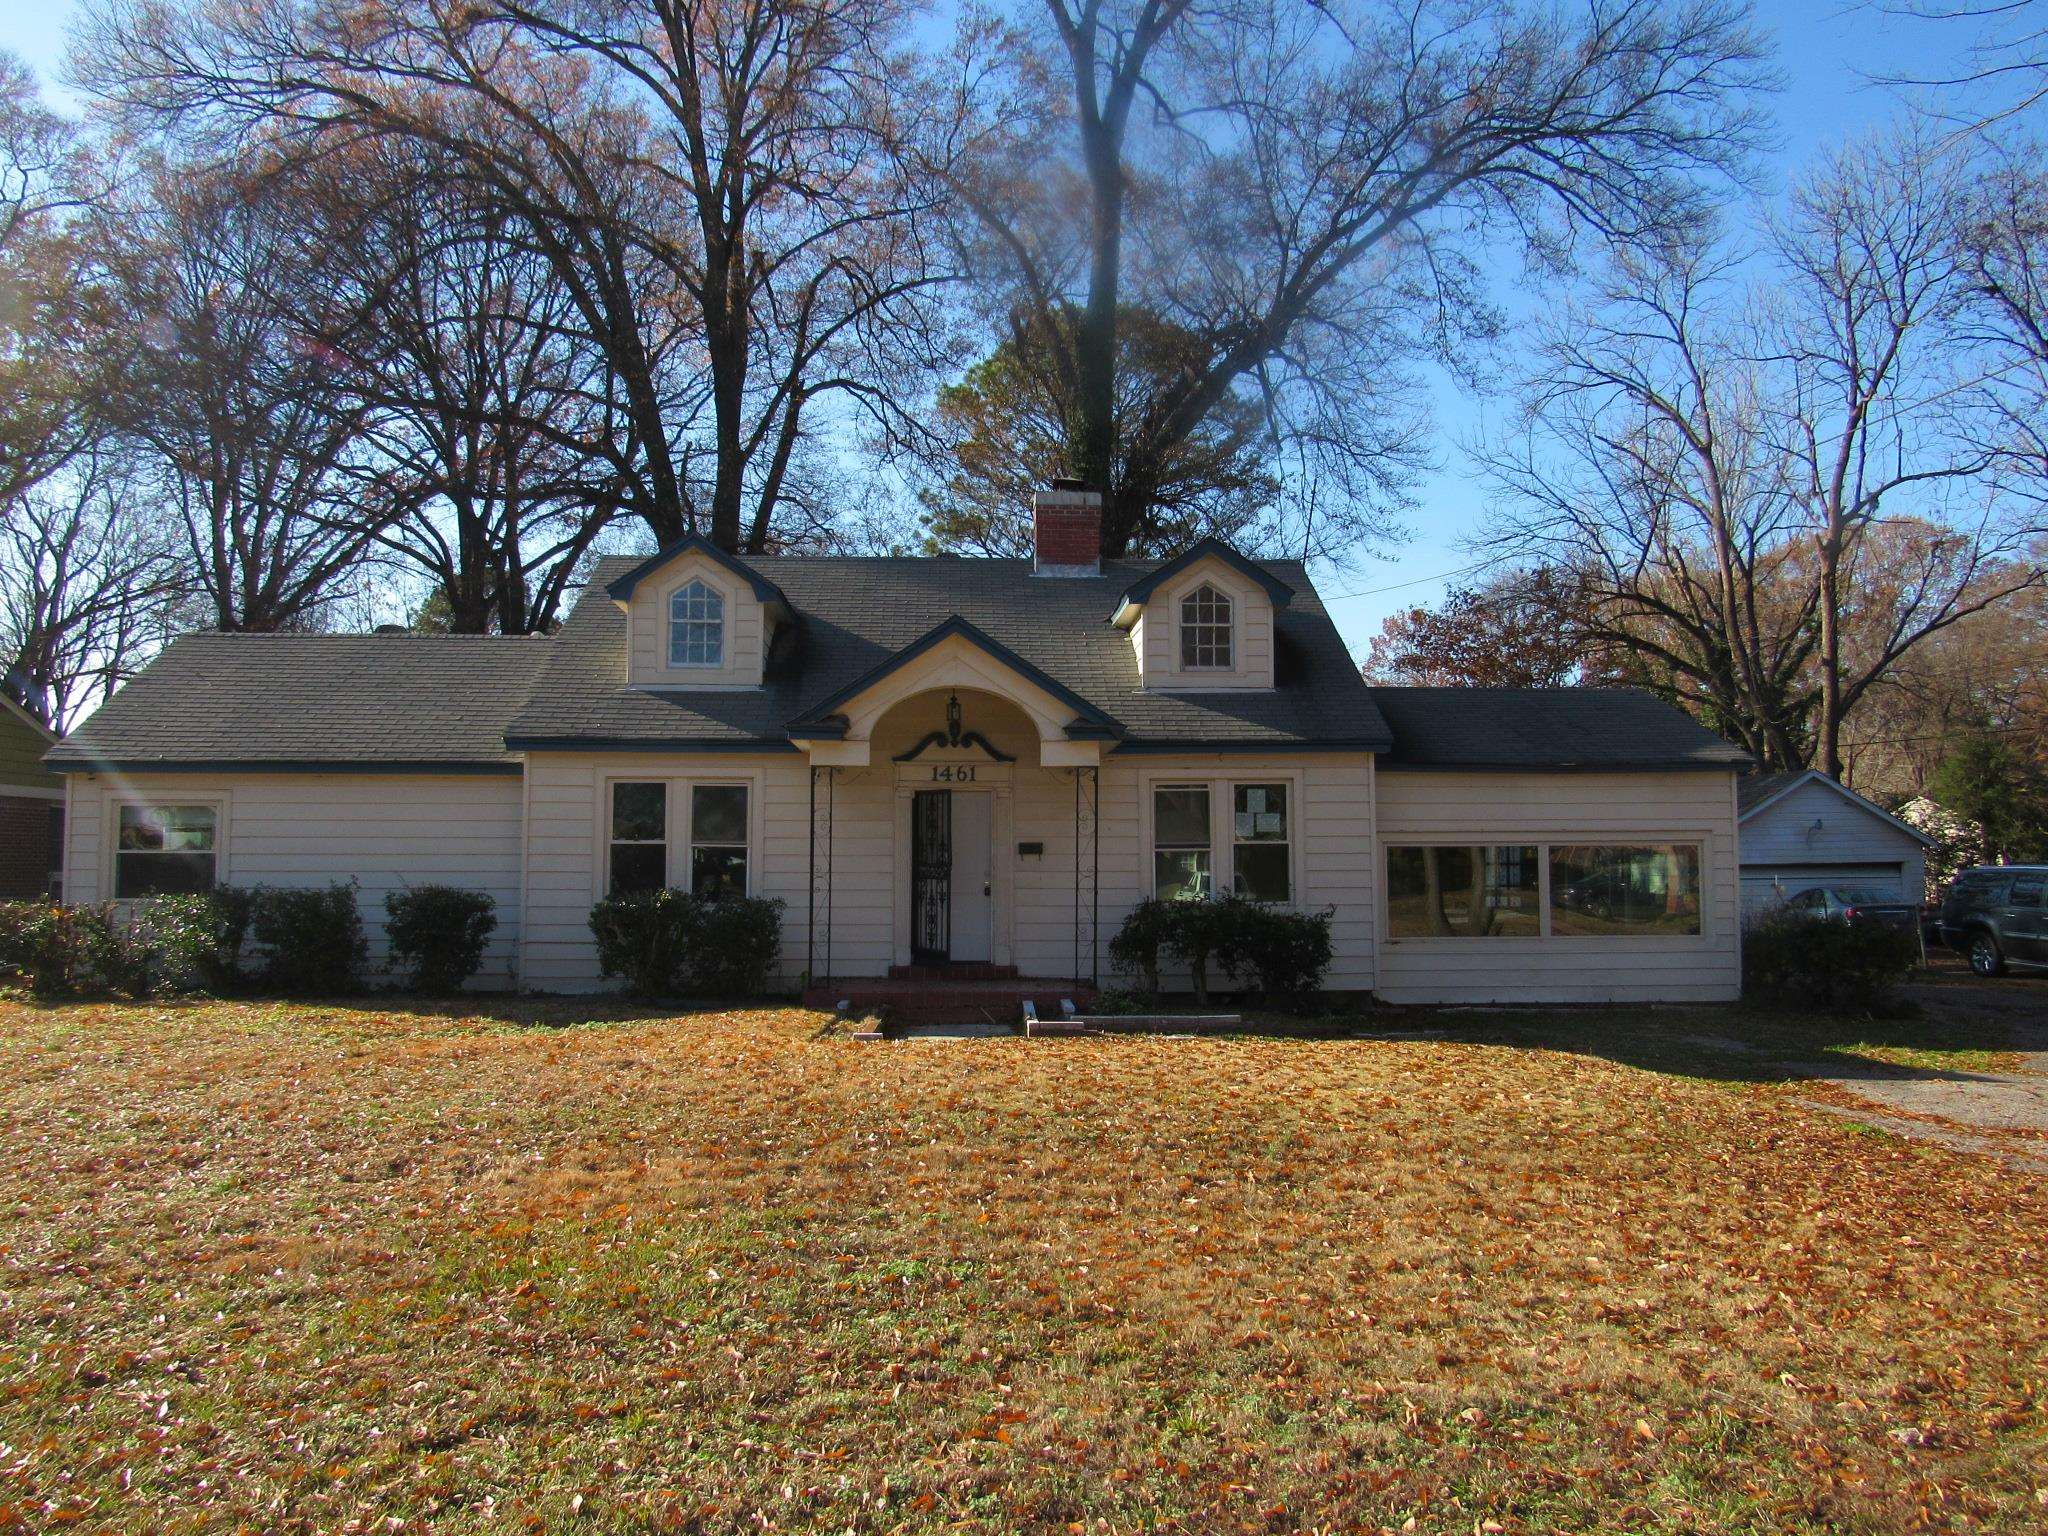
1974,1111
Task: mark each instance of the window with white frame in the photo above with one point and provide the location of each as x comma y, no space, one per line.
639,838
1181,850
718,839
166,850
1205,632
1535,890
696,626
1261,859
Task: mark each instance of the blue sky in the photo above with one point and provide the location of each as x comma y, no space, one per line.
1828,54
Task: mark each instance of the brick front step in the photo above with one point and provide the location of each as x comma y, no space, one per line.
952,1002
954,971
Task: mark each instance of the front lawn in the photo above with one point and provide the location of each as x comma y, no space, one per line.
277,1268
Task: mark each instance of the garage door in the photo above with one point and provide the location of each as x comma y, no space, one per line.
1765,885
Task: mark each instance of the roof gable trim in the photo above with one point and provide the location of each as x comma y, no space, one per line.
827,721
621,589
1814,775
1138,592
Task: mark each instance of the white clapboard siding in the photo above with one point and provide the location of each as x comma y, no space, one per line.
1035,928
1485,808
385,831
1798,839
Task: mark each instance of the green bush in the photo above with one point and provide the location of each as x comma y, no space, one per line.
71,952
643,936
1134,951
311,940
667,943
733,950
196,942
438,933
1821,962
1283,954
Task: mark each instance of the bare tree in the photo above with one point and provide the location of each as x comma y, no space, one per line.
1303,189
87,585
1728,469
250,427
481,398
47,301
707,182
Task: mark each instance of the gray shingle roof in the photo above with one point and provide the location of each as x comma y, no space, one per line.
365,700
855,613
1508,728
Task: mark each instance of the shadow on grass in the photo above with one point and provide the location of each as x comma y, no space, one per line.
1741,1043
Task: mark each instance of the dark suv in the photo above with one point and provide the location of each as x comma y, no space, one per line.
1998,916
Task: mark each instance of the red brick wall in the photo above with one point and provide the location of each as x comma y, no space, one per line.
1068,528
27,851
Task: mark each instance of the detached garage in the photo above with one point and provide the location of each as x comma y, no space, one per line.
1800,830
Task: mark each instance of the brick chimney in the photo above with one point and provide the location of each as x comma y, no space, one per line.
1066,530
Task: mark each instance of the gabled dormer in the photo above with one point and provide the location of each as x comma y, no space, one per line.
696,617
1203,622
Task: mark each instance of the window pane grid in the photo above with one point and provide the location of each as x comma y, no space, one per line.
718,839
639,838
1205,629
1261,858
163,850
1181,865
696,627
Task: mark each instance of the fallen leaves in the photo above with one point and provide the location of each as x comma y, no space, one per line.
272,1267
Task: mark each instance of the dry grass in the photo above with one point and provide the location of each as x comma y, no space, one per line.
274,1268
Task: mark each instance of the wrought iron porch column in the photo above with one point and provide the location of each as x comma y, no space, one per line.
1087,870
821,833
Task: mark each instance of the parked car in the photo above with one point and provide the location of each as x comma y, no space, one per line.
1998,916
1858,904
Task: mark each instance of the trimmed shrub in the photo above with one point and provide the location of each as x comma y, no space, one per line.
1134,951
1284,954
196,941
732,952
65,952
312,940
668,943
1821,962
643,936
438,933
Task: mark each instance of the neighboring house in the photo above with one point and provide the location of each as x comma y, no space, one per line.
1800,830
31,805
945,768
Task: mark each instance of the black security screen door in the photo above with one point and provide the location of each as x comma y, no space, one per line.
931,876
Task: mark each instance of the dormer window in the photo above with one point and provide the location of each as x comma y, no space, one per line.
1205,631
696,627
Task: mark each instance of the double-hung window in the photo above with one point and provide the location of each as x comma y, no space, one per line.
1260,856
696,626
1205,632
639,838
165,850
1181,853
718,839
1189,839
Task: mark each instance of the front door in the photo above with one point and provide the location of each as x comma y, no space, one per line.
973,877
952,876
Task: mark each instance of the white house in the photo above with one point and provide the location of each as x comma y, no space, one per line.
947,769
1801,830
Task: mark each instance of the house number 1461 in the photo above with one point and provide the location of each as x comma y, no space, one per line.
953,773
